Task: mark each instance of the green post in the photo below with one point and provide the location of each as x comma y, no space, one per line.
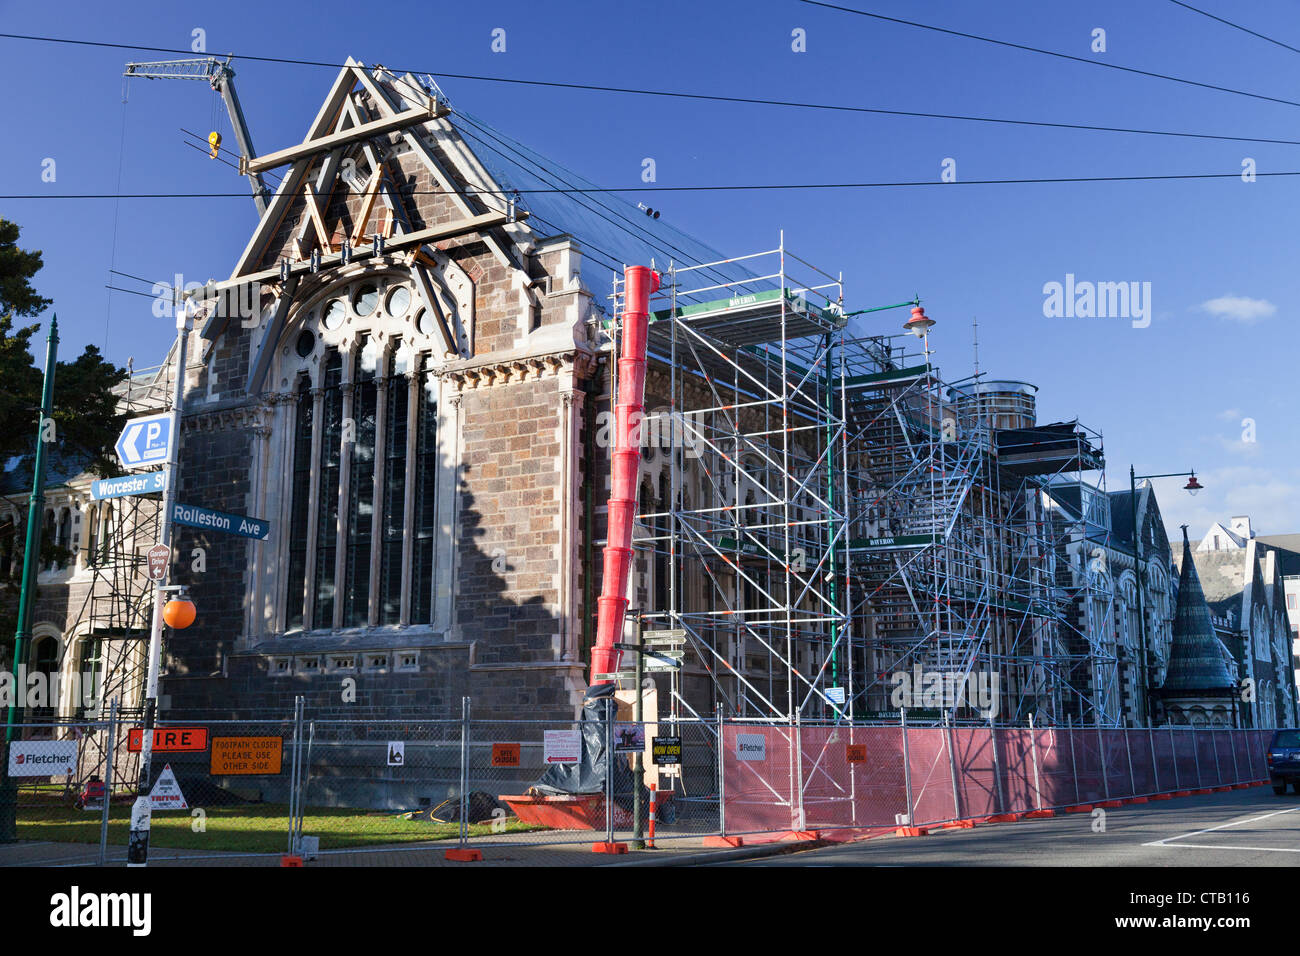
27,596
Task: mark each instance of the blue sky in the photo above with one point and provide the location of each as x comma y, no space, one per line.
1221,347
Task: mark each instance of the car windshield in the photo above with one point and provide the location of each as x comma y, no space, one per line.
1287,738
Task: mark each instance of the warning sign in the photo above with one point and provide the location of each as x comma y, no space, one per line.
397,753
505,755
856,753
166,793
170,739
232,756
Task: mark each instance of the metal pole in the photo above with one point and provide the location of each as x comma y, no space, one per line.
610,707
1155,767
1236,771
1128,749
1195,755
108,782
306,775
137,850
638,717
722,780
952,767
997,775
1218,773
27,595
464,771
1137,572
1033,748
1173,757
1074,766
1101,759
907,766
293,771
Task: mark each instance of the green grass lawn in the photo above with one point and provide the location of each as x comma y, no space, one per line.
249,828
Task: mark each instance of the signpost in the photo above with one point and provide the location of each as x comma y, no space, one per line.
144,484
192,516
146,441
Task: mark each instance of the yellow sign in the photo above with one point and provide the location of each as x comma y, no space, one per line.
232,756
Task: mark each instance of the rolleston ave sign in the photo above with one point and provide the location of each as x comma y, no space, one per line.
195,517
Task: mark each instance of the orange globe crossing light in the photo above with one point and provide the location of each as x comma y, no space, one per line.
179,613
919,323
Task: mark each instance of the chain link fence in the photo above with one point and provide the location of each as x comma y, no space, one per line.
296,786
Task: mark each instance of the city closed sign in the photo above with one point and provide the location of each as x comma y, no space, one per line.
195,517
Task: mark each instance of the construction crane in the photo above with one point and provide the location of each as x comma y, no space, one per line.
221,78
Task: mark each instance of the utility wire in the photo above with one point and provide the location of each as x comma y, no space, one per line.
728,188
1236,26
1055,53
760,101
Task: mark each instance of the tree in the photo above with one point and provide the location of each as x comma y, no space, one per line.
86,421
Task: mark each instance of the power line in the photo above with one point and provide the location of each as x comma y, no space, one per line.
761,101
1235,26
725,188
147,295
1055,53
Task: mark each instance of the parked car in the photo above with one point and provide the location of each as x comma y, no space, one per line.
1284,760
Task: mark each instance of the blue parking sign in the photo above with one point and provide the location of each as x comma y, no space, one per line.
145,441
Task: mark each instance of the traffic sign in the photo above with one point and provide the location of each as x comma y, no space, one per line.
170,739
246,755
145,441
195,517
128,485
656,662
159,557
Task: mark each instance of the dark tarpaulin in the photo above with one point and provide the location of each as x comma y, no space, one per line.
588,774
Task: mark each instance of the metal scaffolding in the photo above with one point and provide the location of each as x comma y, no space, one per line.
830,513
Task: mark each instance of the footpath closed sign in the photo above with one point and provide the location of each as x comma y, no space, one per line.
235,756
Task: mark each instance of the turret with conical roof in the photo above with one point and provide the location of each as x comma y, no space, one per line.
1195,660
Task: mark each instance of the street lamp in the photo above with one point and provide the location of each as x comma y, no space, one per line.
1192,487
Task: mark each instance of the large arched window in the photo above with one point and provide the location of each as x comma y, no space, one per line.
363,461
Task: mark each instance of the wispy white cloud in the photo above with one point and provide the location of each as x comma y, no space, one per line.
1239,308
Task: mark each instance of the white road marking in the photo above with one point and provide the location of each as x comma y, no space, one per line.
1210,846
1233,823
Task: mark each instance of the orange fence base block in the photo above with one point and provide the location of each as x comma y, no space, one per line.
1222,789
802,836
1137,800
1005,818
291,861
911,831
1079,808
1039,814
464,856
609,848
1202,790
1110,804
723,841
1182,793
1241,786
1162,796
959,825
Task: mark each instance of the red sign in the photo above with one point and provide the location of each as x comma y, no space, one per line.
159,557
170,739
856,753
505,755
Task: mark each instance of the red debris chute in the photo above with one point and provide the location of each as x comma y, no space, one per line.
639,283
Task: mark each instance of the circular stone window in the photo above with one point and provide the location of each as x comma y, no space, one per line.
306,342
424,322
399,300
367,299
334,315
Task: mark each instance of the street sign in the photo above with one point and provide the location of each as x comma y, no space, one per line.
170,739
166,793
397,753
617,675
232,756
666,751
145,441
659,664
195,517
128,485
159,557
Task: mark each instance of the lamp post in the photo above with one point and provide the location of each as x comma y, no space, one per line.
1192,487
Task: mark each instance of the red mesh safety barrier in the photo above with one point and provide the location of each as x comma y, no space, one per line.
976,773
1055,775
1203,739
1017,766
1088,766
1119,781
1144,767
758,779
1184,759
1164,759
932,783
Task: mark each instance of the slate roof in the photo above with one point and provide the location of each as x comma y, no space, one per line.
1196,659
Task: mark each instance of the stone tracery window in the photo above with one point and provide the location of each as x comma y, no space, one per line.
362,463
